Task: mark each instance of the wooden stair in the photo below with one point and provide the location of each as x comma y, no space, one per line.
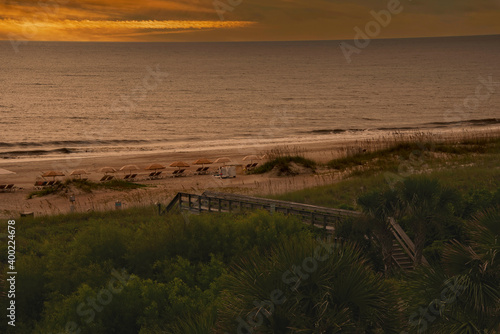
321,217
400,258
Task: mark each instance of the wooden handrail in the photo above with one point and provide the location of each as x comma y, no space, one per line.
405,241
283,204
316,215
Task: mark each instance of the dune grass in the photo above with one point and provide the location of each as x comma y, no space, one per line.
115,184
283,165
472,168
472,180
86,186
282,158
385,153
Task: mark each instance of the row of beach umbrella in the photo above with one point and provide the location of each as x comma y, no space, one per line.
152,167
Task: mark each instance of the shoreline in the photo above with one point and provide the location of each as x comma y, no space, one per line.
53,151
27,172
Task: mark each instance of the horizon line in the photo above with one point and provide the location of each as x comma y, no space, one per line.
256,41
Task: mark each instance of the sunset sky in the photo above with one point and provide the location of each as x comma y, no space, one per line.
238,20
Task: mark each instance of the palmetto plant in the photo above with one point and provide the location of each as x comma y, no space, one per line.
379,207
307,286
464,295
426,203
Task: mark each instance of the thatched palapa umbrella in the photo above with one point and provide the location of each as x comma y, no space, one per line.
107,170
155,167
129,168
222,161
179,164
251,158
6,172
202,162
79,173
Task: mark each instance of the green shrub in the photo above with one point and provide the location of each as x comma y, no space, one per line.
283,165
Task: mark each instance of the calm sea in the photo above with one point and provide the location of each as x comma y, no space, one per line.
97,98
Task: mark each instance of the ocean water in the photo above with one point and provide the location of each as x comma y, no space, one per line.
97,98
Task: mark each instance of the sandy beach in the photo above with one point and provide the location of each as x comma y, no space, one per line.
157,191
12,204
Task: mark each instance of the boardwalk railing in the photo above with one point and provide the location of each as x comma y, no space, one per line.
404,241
221,202
318,216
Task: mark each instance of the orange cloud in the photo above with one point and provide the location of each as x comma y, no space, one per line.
87,30
199,20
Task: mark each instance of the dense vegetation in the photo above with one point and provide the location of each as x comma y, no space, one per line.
132,271
161,269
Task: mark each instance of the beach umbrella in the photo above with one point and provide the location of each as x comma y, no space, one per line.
251,158
6,172
107,170
222,160
53,174
155,167
78,172
202,162
179,164
129,168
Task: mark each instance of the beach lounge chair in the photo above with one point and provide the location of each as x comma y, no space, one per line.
130,177
156,175
254,165
181,173
175,172
106,178
50,183
3,186
205,170
9,187
199,170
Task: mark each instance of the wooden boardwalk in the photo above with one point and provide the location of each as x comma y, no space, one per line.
318,216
